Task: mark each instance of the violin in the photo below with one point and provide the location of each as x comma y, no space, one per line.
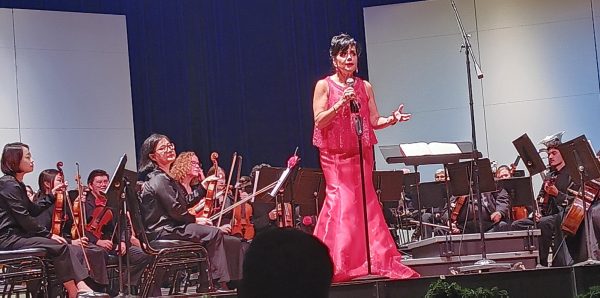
59,205
241,226
211,191
458,204
546,205
286,220
101,216
61,198
79,217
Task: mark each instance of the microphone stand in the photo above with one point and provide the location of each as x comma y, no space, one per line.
358,127
484,263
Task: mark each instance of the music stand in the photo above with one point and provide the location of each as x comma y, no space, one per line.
461,184
580,162
309,191
266,176
530,156
116,202
388,185
519,190
433,194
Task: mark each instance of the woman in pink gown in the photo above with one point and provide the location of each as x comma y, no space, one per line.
340,224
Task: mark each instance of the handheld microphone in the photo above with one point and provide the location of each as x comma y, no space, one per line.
354,106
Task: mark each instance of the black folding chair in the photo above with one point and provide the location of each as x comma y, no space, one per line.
171,257
23,271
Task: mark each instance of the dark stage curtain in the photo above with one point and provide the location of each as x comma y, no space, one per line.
227,75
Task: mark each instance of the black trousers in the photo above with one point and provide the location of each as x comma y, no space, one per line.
235,250
212,238
551,232
97,260
66,263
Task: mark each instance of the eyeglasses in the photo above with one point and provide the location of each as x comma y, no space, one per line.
165,147
196,164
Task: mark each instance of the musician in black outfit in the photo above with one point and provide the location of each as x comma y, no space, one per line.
494,213
18,227
555,190
50,182
165,206
95,202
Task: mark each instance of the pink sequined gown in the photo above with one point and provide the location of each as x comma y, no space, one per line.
340,224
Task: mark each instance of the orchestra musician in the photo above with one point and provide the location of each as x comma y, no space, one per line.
165,205
18,227
186,170
50,181
340,101
556,202
495,213
104,235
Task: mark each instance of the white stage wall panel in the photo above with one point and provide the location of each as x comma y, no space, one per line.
67,90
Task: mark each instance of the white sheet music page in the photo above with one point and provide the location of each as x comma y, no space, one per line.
434,148
444,148
415,149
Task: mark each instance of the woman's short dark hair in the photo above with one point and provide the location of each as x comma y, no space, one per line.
11,158
46,175
341,43
146,164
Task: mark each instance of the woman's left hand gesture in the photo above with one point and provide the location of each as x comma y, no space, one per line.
399,114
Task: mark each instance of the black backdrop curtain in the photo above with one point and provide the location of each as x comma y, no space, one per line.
227,75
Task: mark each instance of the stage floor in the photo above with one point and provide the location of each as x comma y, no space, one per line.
560,282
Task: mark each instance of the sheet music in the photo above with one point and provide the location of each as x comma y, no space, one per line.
434,148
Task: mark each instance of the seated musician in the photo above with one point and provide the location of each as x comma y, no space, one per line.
165,205
556,199
50,182
494,213
18,227
185,171
105,236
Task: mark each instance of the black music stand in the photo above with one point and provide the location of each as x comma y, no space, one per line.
433,194
266,176
530,156
462,183
389,186
520,191
116,201
580,162
269,175
309,191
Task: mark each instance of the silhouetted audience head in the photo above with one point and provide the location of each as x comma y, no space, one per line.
286,263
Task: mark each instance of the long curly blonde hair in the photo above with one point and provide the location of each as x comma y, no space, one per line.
182,166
